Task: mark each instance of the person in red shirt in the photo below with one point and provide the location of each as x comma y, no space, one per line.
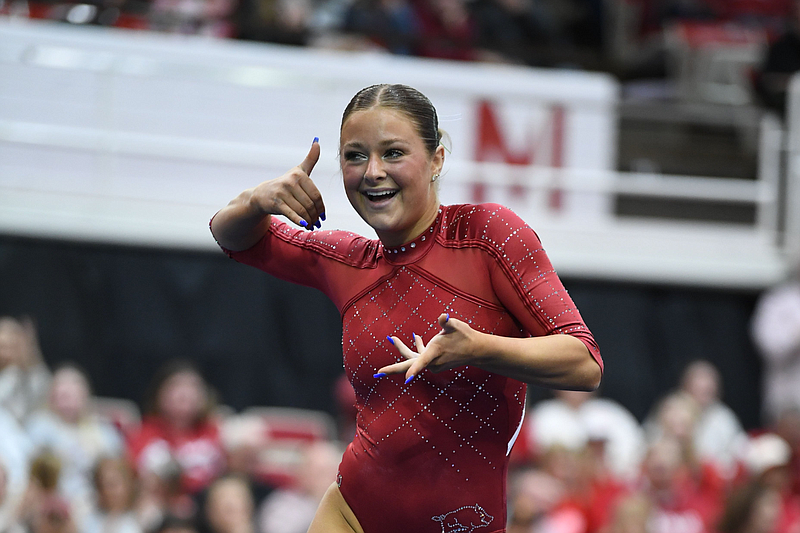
444,318
178,428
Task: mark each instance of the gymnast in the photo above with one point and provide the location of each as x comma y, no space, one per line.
445,318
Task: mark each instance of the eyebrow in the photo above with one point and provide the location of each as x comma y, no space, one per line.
387,142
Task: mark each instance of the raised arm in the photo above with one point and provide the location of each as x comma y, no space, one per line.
245,220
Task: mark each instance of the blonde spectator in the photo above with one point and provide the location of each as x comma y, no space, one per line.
718,434
574,418
680,503
23,375
292,510
79,439
116,489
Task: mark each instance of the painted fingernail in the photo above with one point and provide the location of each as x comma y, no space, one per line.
322,216
388,338
379,375
303,223
414,337
316,140
409,379
318,224
447,317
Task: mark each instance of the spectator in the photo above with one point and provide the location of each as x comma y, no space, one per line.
538,502
781,62
776,333
41,505
116,489
390,24
229,506
179,427
292,510
631,515
574,418
15,455
718,434
447,30
679,504
788,428
74,435
514,29
767,460
175,524
8,505
753,508
243,437
24,378
275,21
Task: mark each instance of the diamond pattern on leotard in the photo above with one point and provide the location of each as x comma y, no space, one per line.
454,413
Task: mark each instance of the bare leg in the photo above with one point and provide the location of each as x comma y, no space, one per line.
334,515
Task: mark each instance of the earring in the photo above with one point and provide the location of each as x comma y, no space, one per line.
435,177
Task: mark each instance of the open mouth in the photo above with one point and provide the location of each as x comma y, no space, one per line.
377,196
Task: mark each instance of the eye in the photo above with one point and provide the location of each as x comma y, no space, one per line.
353,155
393,153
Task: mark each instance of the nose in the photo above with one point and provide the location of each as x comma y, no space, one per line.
374,170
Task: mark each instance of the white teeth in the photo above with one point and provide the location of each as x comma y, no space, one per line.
381,194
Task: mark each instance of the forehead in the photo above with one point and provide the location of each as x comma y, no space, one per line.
381,121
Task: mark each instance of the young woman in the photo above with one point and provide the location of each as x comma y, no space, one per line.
445,318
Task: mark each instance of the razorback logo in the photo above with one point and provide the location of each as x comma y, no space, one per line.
464,520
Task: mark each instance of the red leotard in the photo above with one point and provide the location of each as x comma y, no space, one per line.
430,456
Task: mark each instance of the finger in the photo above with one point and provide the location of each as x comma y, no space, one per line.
396,368
447,324
315,207
418,343
311,159
404,350
294,210
419,364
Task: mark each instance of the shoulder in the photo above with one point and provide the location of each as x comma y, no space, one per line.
485,222
493,227
345,246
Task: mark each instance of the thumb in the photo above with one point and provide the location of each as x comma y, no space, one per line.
311,159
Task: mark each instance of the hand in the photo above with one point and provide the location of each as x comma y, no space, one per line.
455,345
294,195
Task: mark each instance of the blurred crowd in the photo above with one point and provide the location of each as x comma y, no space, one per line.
71,462
577,33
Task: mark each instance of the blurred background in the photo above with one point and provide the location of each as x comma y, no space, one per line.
147,382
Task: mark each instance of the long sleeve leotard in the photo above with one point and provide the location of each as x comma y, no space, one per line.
430,456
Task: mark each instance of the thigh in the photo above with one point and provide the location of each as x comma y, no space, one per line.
334,515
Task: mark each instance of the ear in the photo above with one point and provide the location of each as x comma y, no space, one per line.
437,161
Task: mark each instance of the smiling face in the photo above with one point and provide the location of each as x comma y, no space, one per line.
388,173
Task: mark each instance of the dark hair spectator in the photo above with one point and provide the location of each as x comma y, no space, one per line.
178,427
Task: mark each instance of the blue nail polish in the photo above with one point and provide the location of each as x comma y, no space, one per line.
447,317
322,216
388,338
379,375
303,223
316,140
409,380
414,337
318,224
